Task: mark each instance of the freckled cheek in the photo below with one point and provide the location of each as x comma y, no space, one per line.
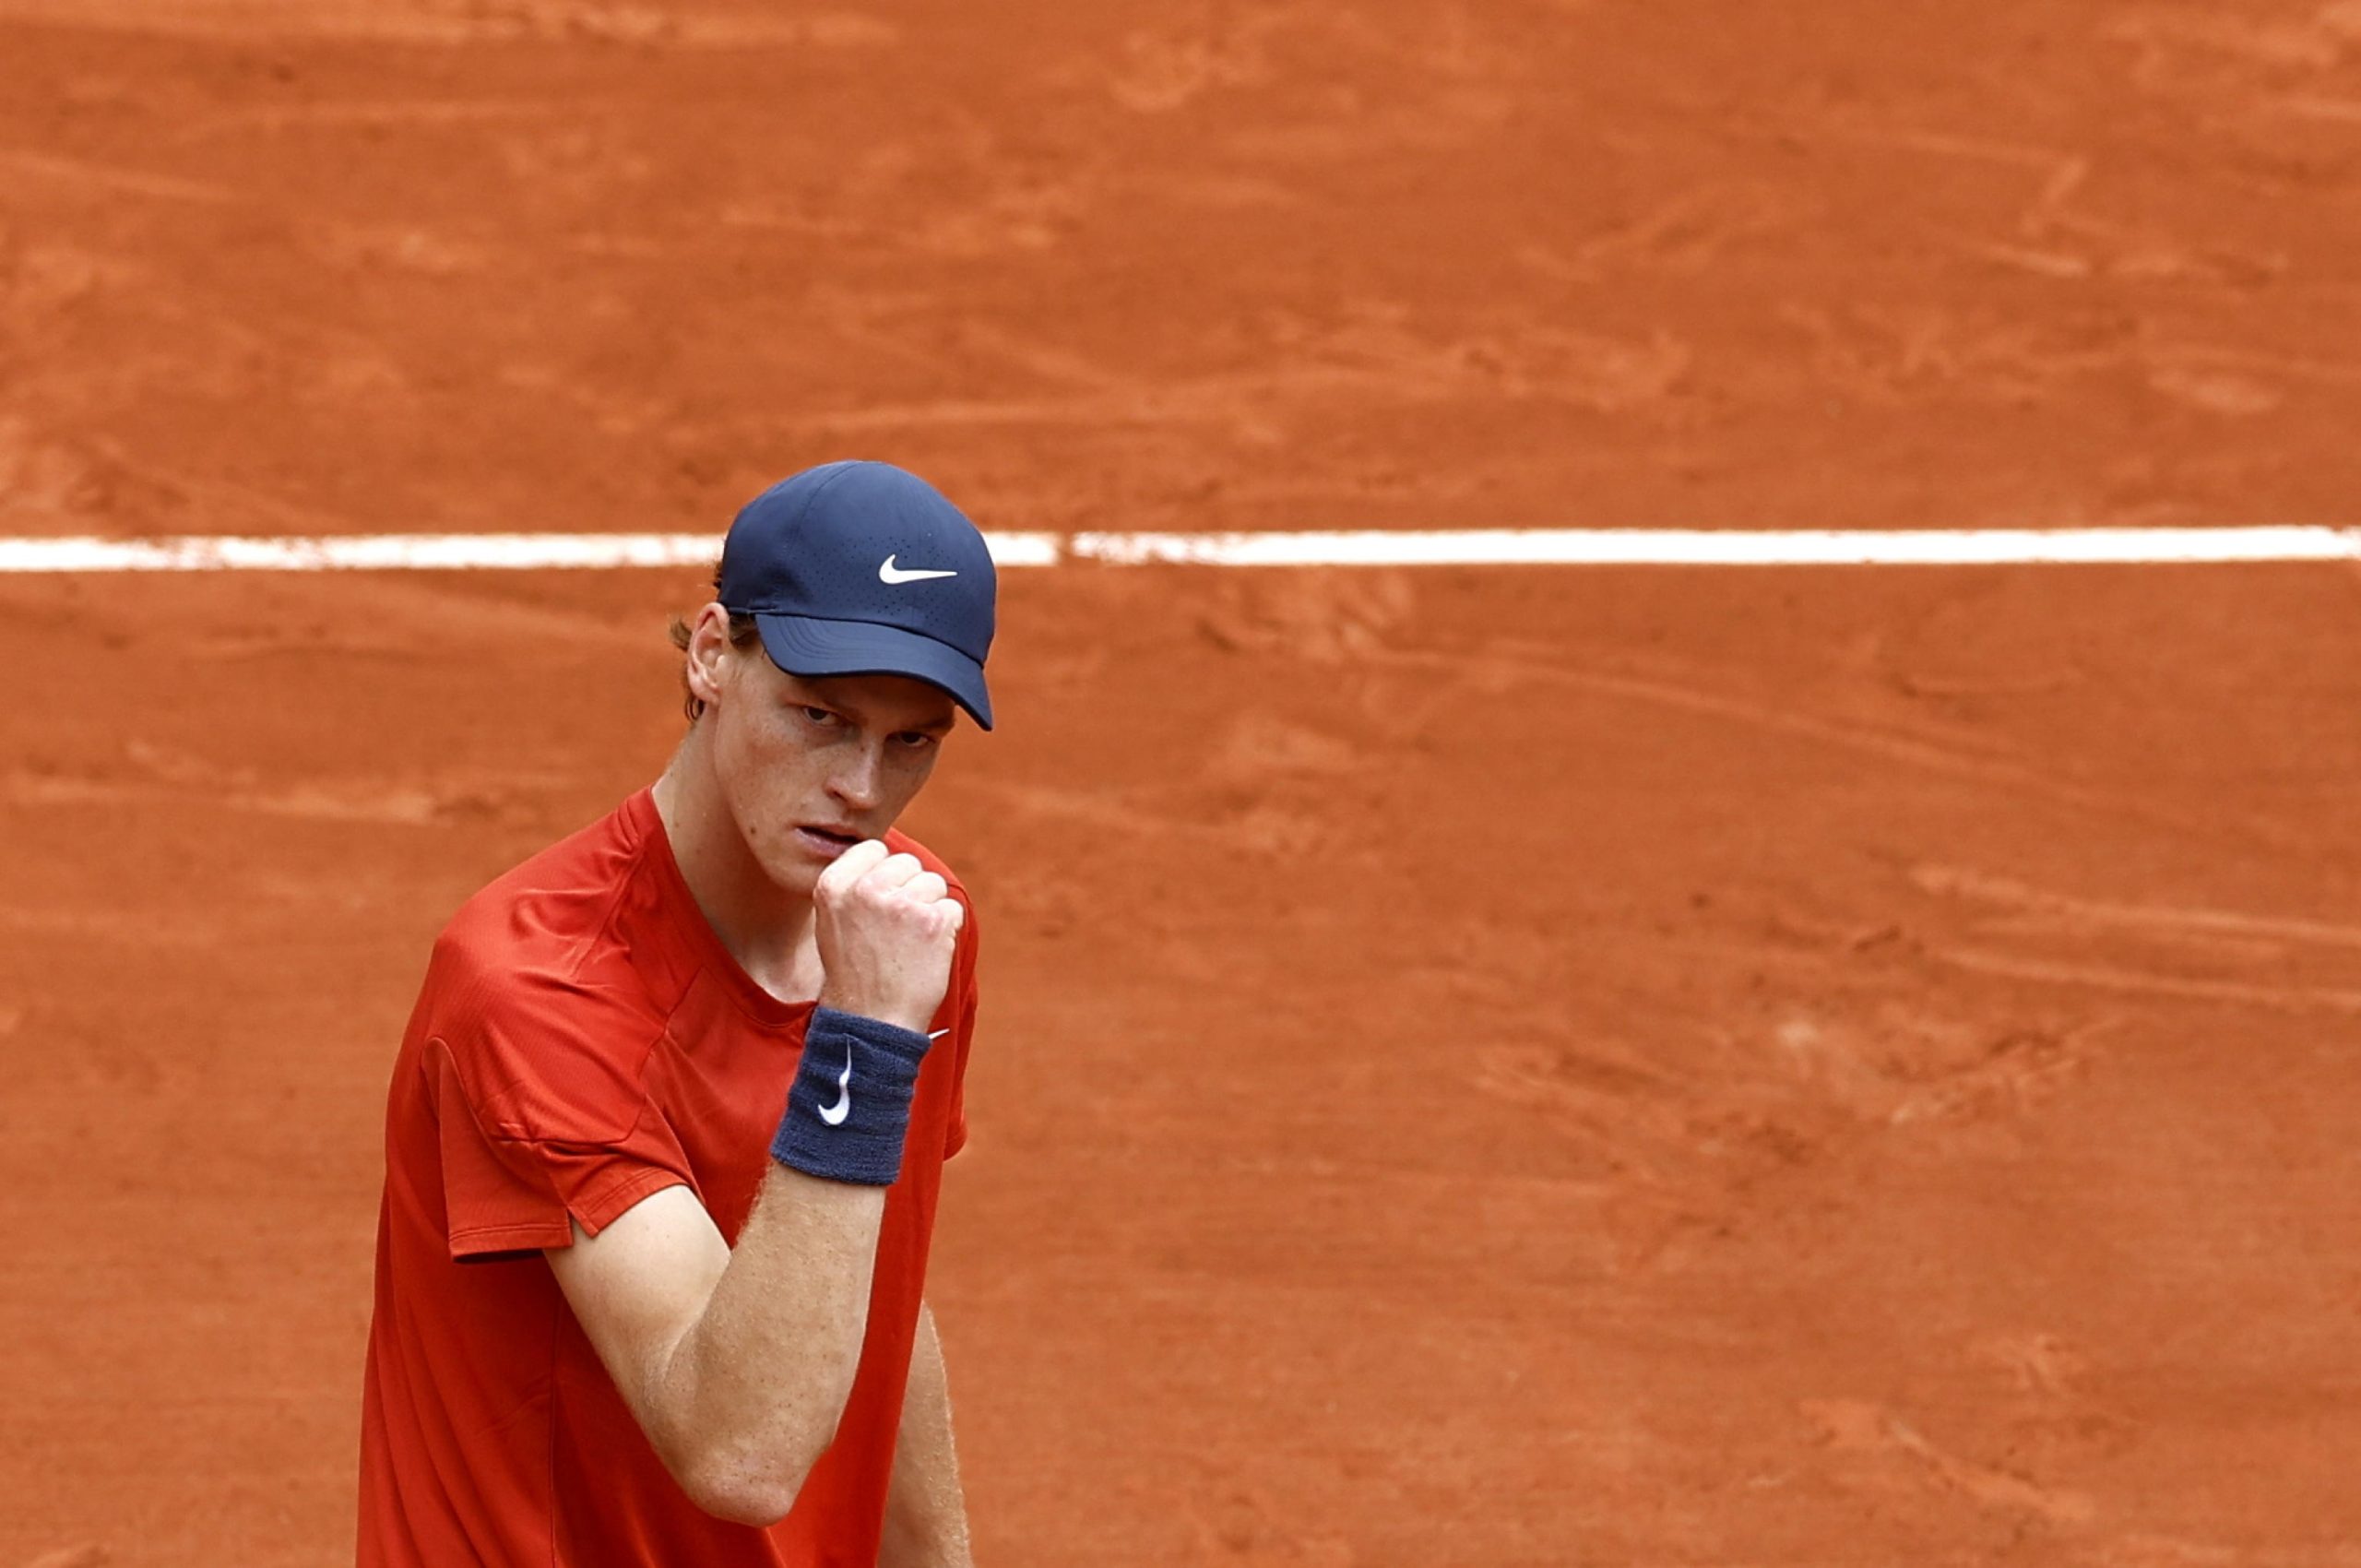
897,786
915,771
765,779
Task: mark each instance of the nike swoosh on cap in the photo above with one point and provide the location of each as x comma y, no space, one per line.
889,572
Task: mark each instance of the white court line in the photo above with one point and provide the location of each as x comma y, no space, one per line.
1463,546
411,552
1686,547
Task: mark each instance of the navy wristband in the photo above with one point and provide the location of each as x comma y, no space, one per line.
851,1102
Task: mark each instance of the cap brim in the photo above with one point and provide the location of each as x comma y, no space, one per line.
805,644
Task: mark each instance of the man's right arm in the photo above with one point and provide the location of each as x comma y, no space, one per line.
737,1362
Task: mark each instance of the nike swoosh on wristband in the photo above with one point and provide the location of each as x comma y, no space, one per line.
889,572
834,1115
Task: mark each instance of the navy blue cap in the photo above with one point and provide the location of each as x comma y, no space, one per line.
864,569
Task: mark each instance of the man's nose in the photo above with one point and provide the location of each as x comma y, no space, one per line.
855,783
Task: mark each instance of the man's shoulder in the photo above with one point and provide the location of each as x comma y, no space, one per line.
902,843
543,934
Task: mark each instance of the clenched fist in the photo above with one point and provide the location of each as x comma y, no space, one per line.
887,928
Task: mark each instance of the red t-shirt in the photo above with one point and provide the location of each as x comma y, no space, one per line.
583,1040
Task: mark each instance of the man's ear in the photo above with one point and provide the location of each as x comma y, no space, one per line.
709,654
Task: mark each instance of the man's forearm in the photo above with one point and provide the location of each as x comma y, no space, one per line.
774,1352
760,1382
926,1514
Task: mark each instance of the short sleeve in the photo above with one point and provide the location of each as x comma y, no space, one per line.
954,1136
544,1118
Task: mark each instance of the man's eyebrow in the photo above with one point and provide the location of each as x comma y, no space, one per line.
854,710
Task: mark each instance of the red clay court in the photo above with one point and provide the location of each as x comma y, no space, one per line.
1509,1065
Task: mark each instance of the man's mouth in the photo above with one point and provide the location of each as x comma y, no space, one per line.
828,842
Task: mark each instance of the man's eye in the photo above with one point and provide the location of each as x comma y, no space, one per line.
819,716
917,740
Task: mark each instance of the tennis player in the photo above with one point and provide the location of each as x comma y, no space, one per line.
667,1124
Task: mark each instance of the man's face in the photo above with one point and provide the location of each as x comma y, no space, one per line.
809,767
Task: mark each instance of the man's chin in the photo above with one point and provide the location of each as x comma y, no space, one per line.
795,873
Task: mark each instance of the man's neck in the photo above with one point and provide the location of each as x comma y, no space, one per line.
765,928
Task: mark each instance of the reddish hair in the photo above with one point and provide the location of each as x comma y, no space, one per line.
742,636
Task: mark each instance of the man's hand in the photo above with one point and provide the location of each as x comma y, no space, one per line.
887,928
